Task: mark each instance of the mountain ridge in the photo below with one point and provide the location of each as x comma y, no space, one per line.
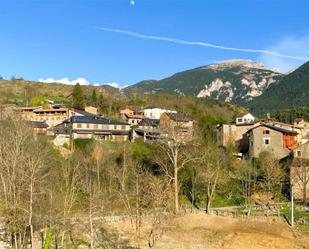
235,81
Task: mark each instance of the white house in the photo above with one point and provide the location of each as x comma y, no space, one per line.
246,119
155,113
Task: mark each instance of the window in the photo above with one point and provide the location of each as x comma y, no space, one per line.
266,141
95,126
298,153
123,127
239,120
115,127
265,131
79,125
87,125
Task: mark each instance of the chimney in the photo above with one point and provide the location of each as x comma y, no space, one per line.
268,116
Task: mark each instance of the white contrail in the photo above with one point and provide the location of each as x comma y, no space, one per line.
203,44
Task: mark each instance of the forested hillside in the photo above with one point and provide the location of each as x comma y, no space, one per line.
21,92
109,100
292,91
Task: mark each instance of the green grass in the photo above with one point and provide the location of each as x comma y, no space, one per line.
298,214
220,201
83,144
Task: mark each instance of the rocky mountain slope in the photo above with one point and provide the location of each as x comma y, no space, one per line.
235,81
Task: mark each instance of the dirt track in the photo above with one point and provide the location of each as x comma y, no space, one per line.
198,231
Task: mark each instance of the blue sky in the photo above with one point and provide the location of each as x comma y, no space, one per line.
64,38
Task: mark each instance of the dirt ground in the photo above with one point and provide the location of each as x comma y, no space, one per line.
199,231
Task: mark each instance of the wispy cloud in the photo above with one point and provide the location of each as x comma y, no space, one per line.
65,80
115,84
204,44
80,80
297,45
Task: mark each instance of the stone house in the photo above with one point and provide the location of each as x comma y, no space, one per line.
177,126
264,137
39,127
147,129
231,133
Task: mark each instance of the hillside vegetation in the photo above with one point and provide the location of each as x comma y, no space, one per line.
292,91
109,100
21,92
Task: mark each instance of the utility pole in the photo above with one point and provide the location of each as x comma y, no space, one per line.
292,207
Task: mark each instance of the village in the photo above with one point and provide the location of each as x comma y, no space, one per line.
247,134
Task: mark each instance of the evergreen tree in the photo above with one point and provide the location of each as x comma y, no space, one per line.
94,98
78,98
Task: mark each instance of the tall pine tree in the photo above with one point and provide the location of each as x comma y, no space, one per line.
94,99
78,98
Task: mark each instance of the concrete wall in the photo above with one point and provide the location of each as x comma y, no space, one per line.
231,133
302,151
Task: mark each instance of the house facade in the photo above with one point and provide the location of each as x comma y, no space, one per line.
51,116
39,127
133,119
98,128
245,119
177,126
264,137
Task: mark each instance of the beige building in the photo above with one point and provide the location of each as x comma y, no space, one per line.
98,128
231,133
302,127
92,110
124,112
52,117
133,119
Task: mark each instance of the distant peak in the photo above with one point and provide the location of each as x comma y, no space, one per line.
237,63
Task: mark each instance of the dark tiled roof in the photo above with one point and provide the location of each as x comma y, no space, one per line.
149,122
95,120
38,124
276,128
179,117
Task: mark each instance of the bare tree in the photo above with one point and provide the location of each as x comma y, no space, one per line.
212,167
271,174
175,151
300,176
23,158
